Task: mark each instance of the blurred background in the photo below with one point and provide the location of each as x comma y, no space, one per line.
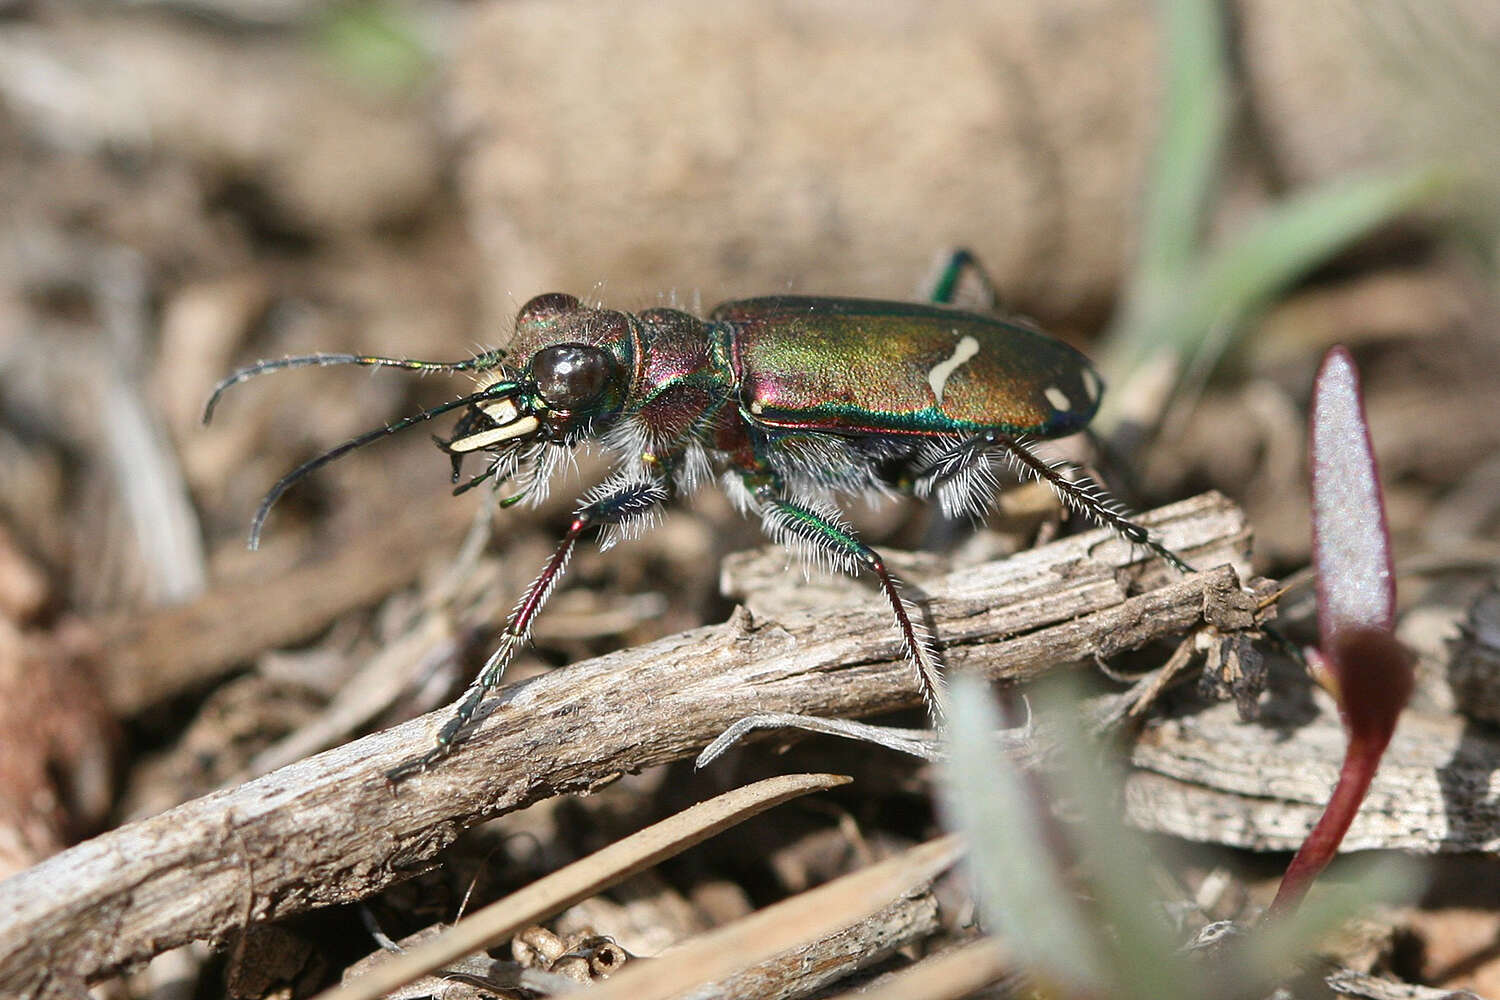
1204,196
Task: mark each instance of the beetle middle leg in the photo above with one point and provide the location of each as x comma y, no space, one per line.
788,521
614,504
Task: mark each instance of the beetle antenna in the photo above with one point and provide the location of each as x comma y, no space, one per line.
480,362
313,464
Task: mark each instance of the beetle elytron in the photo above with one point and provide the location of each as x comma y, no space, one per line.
788,400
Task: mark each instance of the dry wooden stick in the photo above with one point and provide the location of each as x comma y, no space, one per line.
583,878
330,829
781,927
1209,777
948,975
808,968
155,655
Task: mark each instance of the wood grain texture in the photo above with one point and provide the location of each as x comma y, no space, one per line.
330,829
808,969
1210,777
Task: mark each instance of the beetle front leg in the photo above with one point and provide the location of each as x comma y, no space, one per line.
615,503
819,531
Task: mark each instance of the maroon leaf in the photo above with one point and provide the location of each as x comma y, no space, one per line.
1360,659
1350,542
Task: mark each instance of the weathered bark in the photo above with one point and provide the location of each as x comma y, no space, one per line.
331,828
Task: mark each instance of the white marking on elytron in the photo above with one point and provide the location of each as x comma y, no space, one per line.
502,411
1092,385
1058,398
943,370
473,442
757,408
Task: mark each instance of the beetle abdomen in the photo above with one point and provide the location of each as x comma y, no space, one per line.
858,366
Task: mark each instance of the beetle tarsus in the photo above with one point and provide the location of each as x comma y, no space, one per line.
418,765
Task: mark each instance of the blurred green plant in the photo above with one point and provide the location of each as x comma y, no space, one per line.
374,45
1075,902
1031,870
1186,300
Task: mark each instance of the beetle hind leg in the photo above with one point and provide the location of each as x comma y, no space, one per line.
820,533
1081,492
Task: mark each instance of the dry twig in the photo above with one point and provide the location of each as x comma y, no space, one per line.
330,829
781,927
949,975
1209,777
583,878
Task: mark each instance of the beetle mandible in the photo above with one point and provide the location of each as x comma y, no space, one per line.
791,401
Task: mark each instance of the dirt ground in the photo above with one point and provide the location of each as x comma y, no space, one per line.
192,185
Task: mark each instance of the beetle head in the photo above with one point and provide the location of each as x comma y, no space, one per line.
571,379
564,378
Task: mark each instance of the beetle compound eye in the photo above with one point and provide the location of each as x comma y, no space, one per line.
571,376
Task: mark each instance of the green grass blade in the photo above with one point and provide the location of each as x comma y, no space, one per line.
1185,162
1288,240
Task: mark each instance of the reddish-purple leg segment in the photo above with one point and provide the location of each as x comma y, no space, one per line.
626,500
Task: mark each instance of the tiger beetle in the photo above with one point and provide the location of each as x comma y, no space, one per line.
789,400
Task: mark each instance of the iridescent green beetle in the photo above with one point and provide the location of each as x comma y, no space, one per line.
790,401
